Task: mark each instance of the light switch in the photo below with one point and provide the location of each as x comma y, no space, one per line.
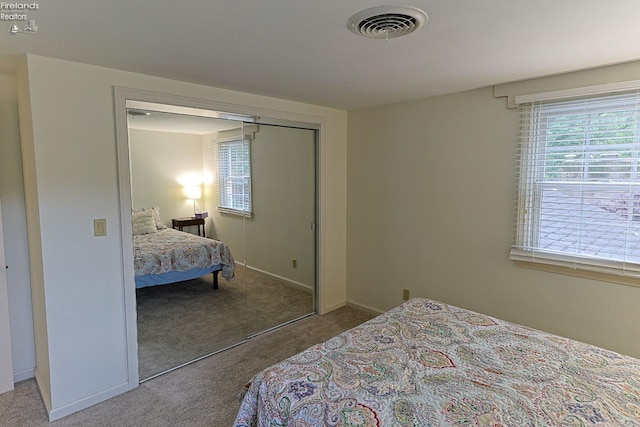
100,227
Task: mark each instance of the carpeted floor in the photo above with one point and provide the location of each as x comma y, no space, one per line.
201,394
181,322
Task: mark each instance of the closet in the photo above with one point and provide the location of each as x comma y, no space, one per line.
252,183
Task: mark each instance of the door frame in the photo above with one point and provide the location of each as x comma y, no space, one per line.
266,116
6,356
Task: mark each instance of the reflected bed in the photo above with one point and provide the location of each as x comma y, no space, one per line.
169,256
426,363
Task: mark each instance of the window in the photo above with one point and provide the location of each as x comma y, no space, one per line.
579,184
234,174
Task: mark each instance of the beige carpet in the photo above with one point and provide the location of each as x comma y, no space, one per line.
181,322
201,394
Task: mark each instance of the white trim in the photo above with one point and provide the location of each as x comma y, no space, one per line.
6,357
126,229
248,131
237,212
580,91
44,395
223,147
533,184
333,307
230,138
83,403
364,307
320,231
189,111
24,375
275,276
617,268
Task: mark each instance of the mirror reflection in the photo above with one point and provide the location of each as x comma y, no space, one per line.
224,231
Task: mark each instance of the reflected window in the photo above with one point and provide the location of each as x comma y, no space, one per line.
234,174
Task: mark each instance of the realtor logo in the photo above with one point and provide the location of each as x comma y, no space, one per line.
18,14
31,27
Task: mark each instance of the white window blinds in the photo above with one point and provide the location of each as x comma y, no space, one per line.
579,184
234,176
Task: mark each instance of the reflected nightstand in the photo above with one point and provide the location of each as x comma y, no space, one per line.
179,223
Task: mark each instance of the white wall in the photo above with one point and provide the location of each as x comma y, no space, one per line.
42,372
15,233
158,161
70,164
283,190
282,162
431,188
67,114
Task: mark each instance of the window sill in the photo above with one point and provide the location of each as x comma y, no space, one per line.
235,212
584,274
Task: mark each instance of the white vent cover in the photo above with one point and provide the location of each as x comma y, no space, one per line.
387,22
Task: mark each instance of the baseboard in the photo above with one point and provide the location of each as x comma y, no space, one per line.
63,411
333,307
24,375
281,278
366,308
44,394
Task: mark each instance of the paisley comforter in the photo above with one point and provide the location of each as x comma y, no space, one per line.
426,363
170,250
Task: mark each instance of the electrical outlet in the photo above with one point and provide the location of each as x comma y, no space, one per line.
294,262
405,294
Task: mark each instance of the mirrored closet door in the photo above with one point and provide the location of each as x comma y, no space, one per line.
280,234
249,189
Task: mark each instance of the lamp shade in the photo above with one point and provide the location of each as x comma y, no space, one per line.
193,193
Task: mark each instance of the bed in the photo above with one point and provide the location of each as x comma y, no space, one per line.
163,255
426,363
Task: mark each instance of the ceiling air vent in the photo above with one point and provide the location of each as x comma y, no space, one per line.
387,22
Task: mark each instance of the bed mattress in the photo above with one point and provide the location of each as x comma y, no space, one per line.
426,363
167,251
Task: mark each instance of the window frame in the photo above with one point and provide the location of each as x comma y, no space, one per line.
223,197
526,246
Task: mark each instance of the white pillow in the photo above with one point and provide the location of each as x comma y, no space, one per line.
144,223
156,215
